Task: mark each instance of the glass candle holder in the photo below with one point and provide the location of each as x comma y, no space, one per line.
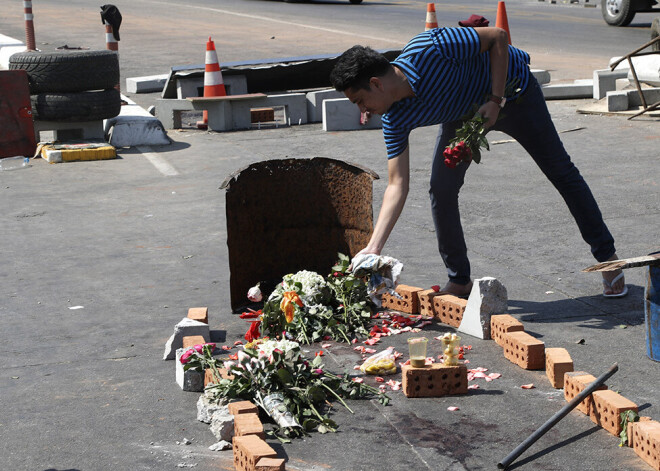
417,349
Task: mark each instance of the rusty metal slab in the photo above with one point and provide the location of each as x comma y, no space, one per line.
293,214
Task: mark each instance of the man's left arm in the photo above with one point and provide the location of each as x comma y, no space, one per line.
496,42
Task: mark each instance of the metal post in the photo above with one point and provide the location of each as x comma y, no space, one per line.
556,418
29,26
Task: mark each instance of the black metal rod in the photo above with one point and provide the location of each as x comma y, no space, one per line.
556,418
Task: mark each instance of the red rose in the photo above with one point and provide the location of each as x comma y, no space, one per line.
253,332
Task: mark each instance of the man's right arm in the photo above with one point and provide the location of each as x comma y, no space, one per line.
394,198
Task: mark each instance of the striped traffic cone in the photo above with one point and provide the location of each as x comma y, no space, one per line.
501,21
431,19
213,84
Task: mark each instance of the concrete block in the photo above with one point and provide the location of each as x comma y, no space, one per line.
574,384
200,314
500,324
248,450
190,380
617,101
557,363
340,114
541,76
605,81
248,424
651,95
146,84
425,301
315,103
449,309
408,302
168,111
524,350
270,464
295,105
206,408
646,442
608,405
222,424
242,407
578,89
434,380
64,131
186,327
488,297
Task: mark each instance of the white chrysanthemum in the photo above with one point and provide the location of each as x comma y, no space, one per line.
314,287
267,347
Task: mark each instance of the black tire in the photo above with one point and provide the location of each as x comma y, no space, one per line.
655,32
71,71
618,12
82,106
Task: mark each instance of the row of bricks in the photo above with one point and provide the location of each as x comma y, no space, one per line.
445,308
251,452
603,406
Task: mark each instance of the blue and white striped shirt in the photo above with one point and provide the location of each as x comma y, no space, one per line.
448,75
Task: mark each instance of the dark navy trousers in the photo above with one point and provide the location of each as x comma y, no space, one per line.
528,121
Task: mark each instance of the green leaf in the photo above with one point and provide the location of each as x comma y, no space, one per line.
285,376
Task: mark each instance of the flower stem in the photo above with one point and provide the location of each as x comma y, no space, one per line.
338,397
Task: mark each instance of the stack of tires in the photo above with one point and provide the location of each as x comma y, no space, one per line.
71,85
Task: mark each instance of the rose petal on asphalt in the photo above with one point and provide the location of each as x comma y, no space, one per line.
382,387
370,350
238,342
358,380
359,348
356,367
479,374
466,362
473,386
470,376
226,347
380,379
494,375
354,341
528,386
372,341
488,379
452,408
325,345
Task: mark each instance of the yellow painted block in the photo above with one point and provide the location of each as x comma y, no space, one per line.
83,151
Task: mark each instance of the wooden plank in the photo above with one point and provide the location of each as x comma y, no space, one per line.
647,260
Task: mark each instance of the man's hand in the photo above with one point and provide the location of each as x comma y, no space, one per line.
489,110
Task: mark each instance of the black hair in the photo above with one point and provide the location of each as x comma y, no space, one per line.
356,66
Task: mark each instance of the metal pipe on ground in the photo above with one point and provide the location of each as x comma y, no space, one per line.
520,449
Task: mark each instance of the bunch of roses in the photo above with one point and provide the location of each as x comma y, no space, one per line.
279,367
456,153
467,144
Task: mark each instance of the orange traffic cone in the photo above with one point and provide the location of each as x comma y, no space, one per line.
431,19
213,84
501,21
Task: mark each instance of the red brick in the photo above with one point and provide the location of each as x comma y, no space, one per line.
192,340
574,384
270,464
646,442
211,377
248,424
242,407
557,362
630,429
409,302
449,309
434,380
500,324
200,314
248,450
524,350
425,302
606,410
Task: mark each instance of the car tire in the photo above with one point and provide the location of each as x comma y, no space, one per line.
71,71
81,106
618,12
